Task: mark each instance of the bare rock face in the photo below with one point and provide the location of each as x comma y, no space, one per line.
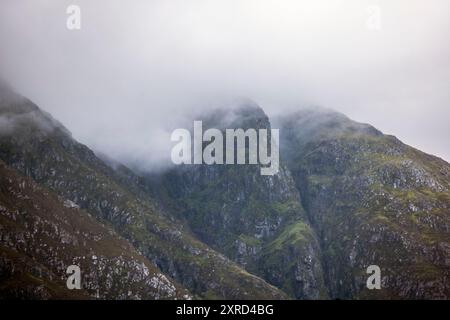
256,220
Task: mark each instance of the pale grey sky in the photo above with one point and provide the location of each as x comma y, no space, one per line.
136,66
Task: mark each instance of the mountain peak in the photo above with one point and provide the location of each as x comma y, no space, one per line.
21,116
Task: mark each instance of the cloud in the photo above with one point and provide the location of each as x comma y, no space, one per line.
132,72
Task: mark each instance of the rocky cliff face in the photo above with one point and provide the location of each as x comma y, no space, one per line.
256,220
373,201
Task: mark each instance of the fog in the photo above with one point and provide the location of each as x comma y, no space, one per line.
135,68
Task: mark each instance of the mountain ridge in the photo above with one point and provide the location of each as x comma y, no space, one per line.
346,197
74,172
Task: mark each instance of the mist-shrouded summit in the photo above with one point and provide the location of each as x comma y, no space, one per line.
131,71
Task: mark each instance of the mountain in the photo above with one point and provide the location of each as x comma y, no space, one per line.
256,220
346,197
37,146
372,200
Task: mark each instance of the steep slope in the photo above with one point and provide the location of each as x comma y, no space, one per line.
42,234
373,201
255,220
39,147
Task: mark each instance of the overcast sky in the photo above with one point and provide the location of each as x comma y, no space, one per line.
136,66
